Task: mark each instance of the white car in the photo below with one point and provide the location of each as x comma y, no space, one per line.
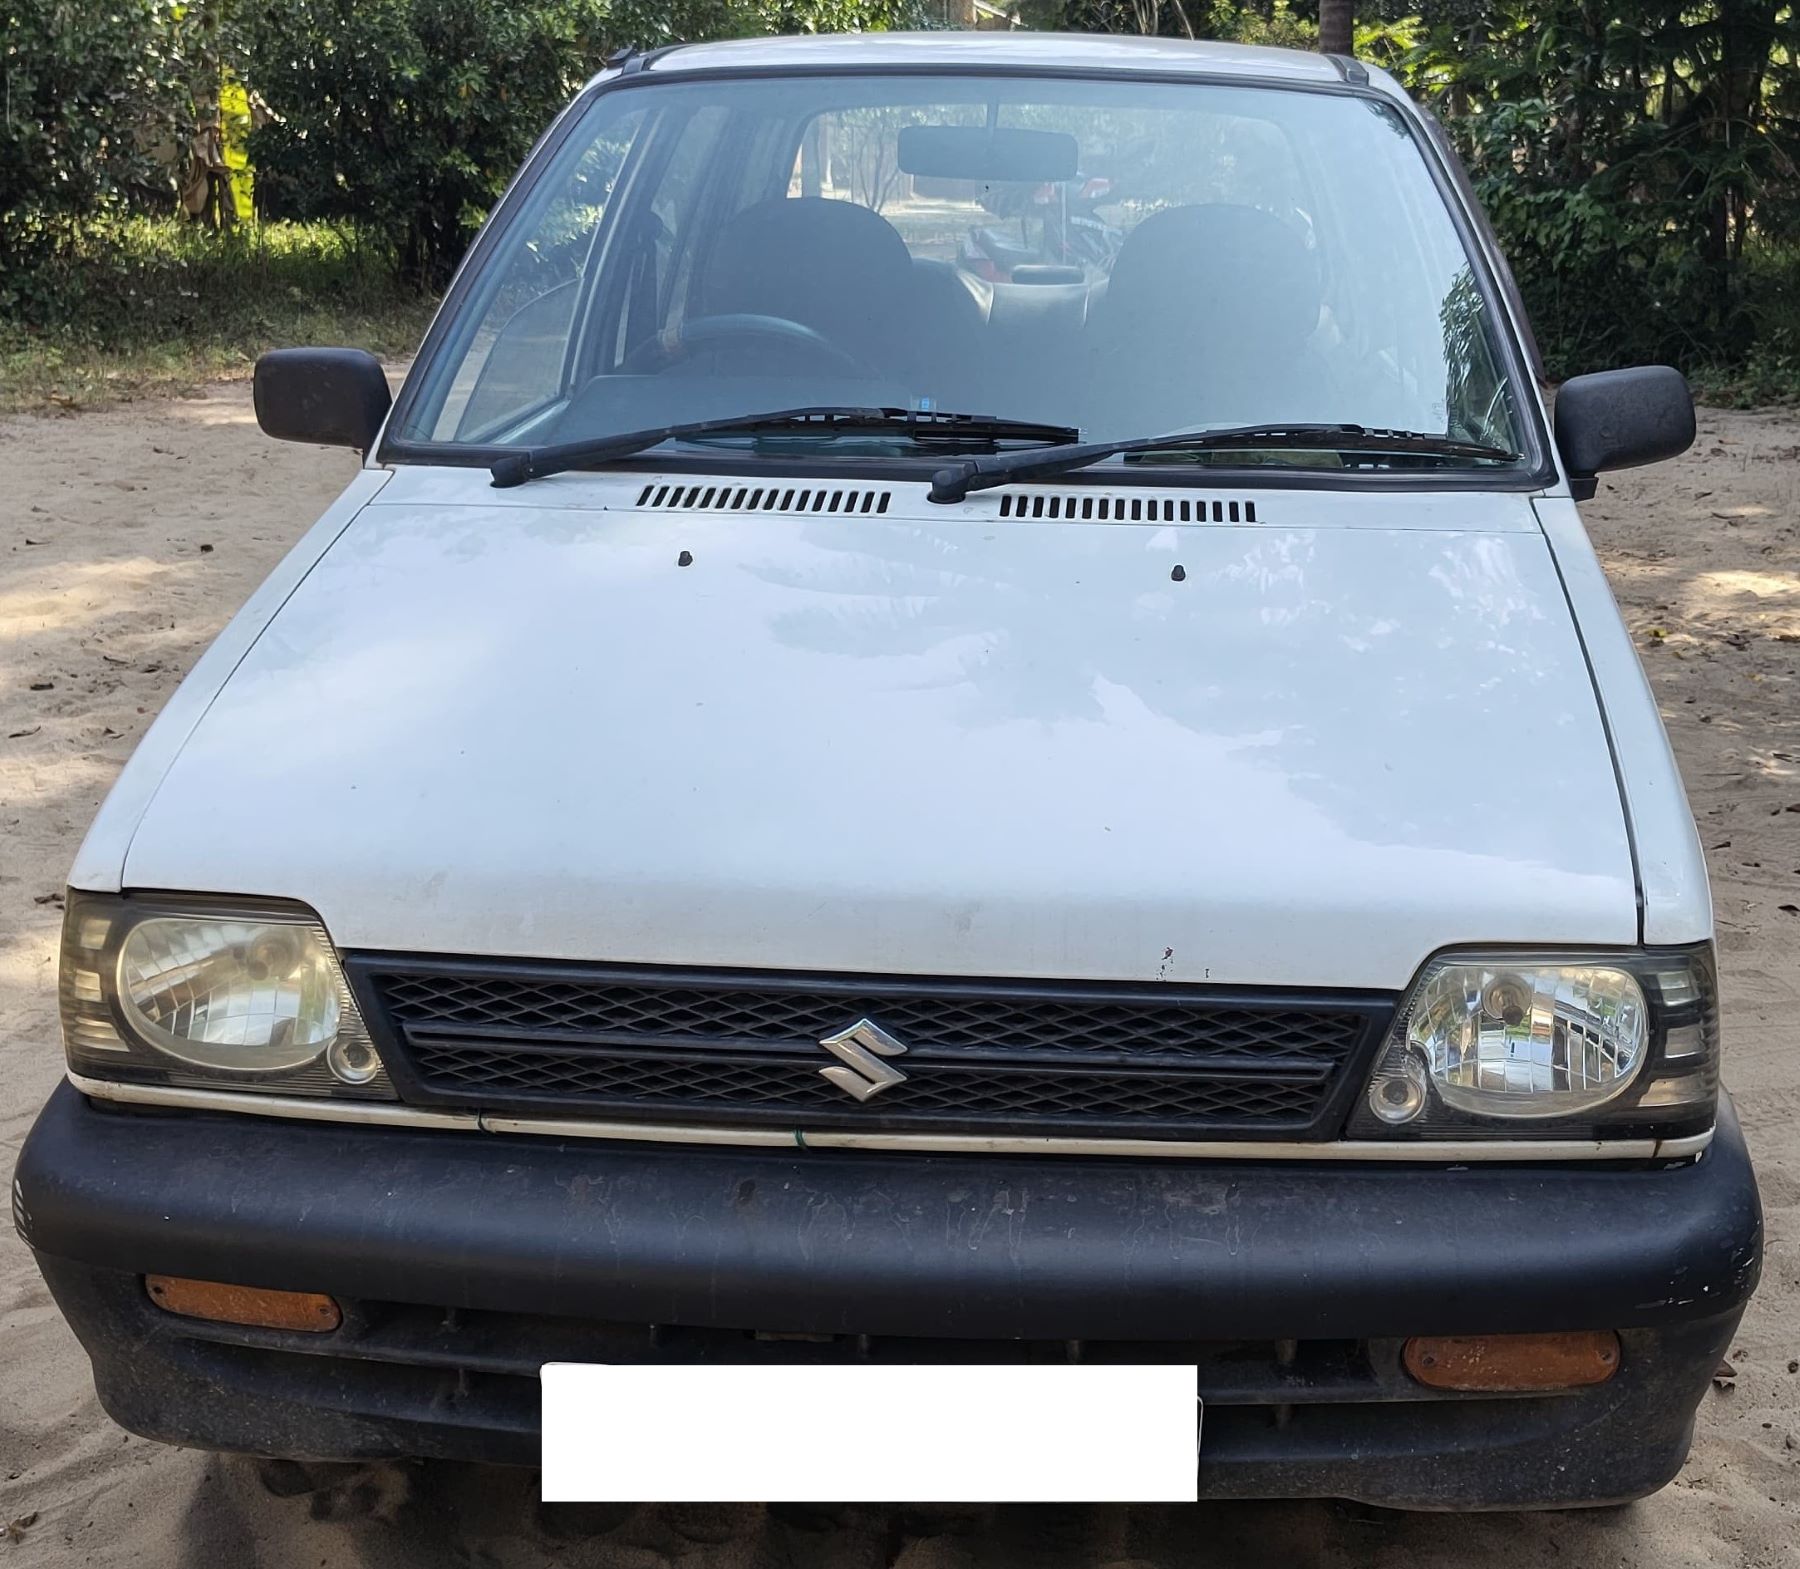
962,713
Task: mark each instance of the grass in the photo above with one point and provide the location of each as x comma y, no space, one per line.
129,308
1764,369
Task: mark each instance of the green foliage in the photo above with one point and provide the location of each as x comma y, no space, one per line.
1642,165
144,304
408,115
1272,22
1632,162
124,281
412,114
89,94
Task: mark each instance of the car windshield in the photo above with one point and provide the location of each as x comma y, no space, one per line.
1124,257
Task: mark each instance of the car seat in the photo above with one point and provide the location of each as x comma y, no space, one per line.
1206,320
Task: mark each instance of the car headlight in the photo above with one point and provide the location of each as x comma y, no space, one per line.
1551,1045
170,990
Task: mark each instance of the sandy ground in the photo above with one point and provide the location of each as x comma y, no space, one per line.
126,540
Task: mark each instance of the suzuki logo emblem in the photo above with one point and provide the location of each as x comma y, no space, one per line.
860,1049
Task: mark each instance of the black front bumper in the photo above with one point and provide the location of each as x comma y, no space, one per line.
466,1260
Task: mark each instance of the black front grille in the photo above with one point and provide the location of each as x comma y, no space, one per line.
982,1056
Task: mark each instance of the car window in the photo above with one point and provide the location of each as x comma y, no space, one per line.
513,361
1129,257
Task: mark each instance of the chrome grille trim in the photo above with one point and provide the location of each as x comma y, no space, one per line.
1445,1152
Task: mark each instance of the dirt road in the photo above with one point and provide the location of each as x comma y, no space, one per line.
126,540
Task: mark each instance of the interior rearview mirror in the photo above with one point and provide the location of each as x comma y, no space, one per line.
330,397
1620,419
987,152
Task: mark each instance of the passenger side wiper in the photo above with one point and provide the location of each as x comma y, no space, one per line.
922,425
954,482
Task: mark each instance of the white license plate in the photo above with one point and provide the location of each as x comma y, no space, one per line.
1078,1433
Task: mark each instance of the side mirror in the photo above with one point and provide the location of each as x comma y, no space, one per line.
1619,419
330,397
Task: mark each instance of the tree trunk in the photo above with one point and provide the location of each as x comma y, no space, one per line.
1337,31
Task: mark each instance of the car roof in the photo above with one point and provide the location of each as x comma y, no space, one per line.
1123,53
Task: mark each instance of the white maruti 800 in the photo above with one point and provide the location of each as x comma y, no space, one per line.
962,713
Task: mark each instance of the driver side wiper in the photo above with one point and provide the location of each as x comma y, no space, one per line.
983,473
921,424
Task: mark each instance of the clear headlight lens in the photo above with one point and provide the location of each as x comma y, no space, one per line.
179,992
1581,1045
1526,1042
230,994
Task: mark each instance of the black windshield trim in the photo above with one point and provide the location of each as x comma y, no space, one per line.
1536,471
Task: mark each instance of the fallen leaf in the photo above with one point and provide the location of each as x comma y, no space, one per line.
1789,909
47,898
19,735
45,686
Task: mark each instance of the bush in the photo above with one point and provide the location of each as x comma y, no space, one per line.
411,115
125,282
1634,161
1608,277
408,115
92,93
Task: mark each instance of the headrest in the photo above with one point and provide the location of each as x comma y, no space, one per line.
1239,271
829,265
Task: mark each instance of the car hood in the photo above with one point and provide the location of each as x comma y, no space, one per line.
567,724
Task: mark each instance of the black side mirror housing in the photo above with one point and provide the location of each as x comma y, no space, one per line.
329,397
1620,419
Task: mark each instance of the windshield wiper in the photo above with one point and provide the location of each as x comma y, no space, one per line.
955,482
920,424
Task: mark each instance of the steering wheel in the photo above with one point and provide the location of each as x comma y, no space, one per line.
701,332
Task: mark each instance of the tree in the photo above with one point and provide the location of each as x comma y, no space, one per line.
411,115
1337,28
91,93
1626,156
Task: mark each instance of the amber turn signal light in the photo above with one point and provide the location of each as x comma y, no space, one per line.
1512,1364
309,1311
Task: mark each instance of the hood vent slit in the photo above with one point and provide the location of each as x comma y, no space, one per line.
1090,508
759,498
